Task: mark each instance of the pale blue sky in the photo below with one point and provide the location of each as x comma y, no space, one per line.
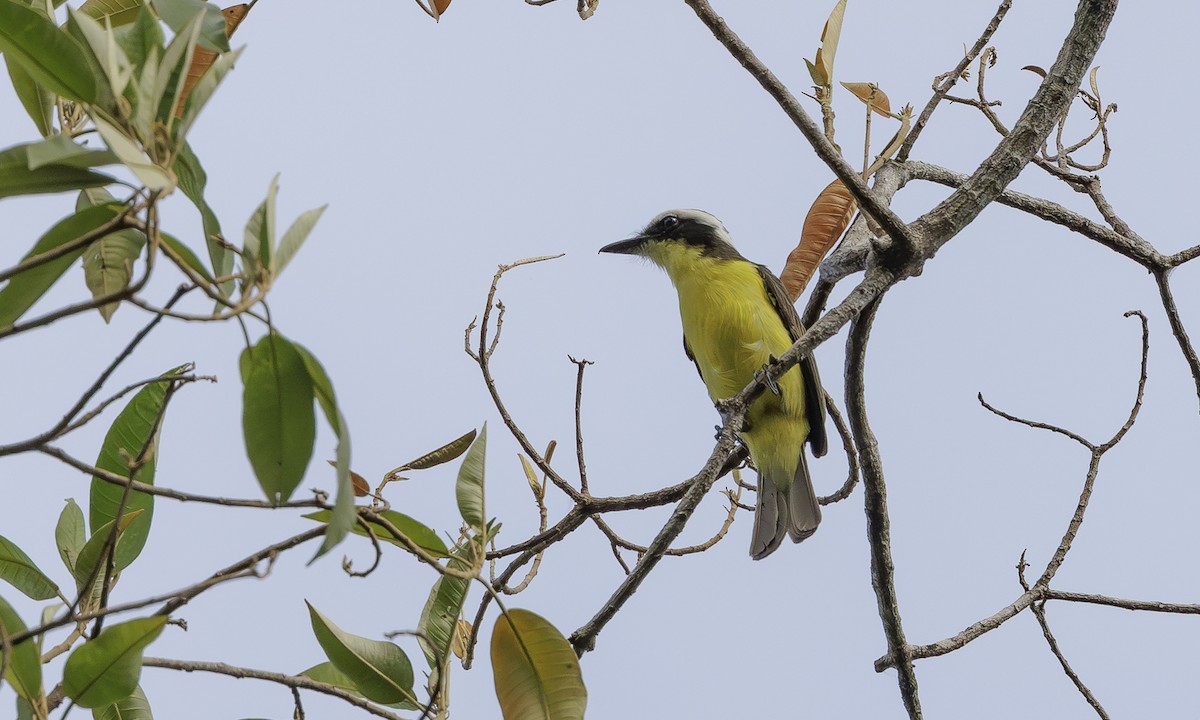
508,131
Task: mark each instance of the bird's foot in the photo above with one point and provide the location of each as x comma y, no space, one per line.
764,377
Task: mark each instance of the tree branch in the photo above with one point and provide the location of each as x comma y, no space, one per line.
878,523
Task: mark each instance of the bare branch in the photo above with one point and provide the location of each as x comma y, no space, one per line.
851,454
950,78
1144,605
1177,329
583,482
1131,246
1014,151
830,155
292,681
1039,611
878,523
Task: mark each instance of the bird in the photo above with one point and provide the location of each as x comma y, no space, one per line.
737,319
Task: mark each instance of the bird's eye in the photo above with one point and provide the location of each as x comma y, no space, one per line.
670,222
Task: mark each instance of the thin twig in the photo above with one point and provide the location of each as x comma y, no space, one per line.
1122,603
291,681
583,481
950,78
115,479
1039,611
178,598
851,454
1177,328
791,106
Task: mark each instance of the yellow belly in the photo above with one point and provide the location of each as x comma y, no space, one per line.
733,330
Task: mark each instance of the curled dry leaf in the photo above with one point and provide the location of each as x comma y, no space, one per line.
826,221
893,145
870,93
437,7
462,633
829,42
444,454
361,488
1035,70
203,58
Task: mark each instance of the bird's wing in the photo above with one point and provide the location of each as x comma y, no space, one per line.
814,394
687,349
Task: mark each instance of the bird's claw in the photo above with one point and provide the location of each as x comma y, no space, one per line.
764,377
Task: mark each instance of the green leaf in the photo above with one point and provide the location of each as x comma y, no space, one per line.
380,669
17,569
322,387
108,264
109,56
278,419
439,617
330,675
178,13
116,12
295,236
16,178
61,150
172,71
140,39
133,429
186,255
24,669
424,537
134,158
70,534
134,707
24,288
55,59
192,180
444,454
92,553
344,514
34,98
537,674
105,670
258,244
469,488
815,73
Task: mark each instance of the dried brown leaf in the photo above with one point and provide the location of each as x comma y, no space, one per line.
438,7
826,221
829,41
462,629
871,94
818,71
1035,69
203,58
361,488
1093,83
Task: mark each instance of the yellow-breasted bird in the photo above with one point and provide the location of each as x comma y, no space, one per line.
737,319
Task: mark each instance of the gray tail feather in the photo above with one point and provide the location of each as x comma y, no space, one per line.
804,510
798,517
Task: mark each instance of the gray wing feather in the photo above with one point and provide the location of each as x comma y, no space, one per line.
814,394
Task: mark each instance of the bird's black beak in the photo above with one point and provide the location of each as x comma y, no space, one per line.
632,246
